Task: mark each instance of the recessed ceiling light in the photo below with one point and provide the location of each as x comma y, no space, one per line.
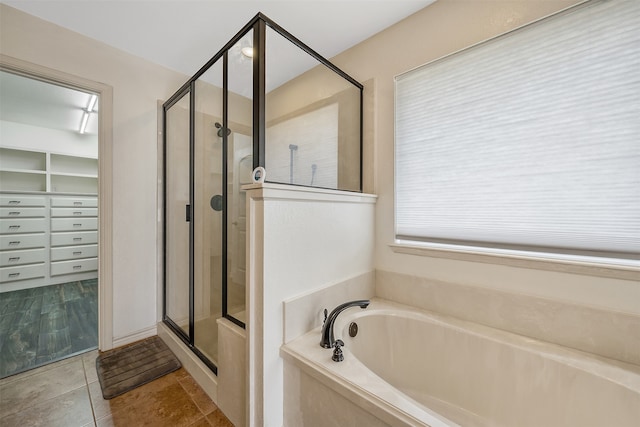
83,123
92,102
85,114
247,51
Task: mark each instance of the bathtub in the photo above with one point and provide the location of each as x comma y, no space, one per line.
408,367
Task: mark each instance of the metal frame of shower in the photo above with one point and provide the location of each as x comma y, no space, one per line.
258,24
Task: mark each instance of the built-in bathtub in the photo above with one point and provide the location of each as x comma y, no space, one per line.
411,367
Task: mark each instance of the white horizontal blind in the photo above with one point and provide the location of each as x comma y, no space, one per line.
529,140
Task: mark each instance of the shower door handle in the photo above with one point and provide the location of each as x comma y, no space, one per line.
187,213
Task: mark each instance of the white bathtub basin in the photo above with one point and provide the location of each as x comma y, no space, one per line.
417,368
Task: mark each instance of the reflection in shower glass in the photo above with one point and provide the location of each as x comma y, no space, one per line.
208,190
307,158
312,120
177,228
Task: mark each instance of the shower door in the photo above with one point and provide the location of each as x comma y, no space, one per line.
207,153
209,209
208,156
177,156
194,215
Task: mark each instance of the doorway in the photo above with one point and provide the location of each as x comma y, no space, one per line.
53,214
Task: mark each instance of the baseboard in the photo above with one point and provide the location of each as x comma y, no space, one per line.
136,336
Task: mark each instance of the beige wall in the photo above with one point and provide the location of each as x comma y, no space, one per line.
137,85
442,28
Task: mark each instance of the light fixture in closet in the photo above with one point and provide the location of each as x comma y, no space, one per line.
85,115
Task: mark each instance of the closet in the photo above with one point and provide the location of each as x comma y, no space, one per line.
48,218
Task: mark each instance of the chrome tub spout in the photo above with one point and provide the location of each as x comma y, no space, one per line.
327,340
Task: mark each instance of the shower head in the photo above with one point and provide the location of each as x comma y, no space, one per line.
220,131
293,147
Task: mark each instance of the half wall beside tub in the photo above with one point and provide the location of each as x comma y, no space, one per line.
295,246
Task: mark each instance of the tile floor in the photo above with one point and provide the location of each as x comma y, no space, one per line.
67,394
45,324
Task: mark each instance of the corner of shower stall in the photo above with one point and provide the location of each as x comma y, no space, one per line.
264,100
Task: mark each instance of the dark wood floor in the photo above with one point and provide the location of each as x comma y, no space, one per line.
41,325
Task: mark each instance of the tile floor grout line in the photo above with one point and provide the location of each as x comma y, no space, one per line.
191,397
86,382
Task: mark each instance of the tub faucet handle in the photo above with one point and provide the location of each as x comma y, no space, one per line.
337,351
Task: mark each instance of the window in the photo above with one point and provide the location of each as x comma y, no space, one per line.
530,141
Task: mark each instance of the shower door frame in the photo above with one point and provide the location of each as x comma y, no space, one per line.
259,25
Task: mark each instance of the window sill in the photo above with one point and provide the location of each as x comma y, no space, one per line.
625,270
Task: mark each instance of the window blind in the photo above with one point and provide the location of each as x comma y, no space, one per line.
529,140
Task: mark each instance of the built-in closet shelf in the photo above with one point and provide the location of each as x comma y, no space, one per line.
24,170
12,159
22,181
77,175
34,172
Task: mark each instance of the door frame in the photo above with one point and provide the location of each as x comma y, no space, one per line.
105,179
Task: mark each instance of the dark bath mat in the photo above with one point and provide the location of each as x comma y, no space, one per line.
126,368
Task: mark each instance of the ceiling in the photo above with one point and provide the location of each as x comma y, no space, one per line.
42,104
183,35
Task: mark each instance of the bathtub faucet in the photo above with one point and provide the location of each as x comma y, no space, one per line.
327,340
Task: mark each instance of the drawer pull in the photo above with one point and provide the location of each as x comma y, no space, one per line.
14,259
77,225
14,213
11,275
78,213
77,203
14,242
14,227
14,202
77,267
77,239
77,253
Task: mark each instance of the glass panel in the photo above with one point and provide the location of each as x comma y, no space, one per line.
312,120
177,228
239,167
208,205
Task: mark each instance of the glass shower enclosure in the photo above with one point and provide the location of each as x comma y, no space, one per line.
265,99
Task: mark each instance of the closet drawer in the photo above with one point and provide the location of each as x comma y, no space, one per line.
69,239
74,224
22,212
74,252
73,212
26,241
79,266
10,274
19,225
74,202
20,200
31,256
